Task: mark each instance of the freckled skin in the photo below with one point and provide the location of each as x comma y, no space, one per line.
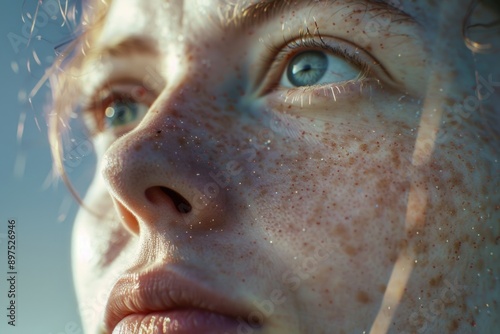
316,199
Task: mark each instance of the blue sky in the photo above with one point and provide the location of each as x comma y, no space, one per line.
44,211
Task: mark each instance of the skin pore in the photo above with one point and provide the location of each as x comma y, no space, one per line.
359,203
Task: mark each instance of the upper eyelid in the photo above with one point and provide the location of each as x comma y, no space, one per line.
319,42
99,73
109,86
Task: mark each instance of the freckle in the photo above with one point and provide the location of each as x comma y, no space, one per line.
363,297
403,244
350,250
480,265
181,141
395,159
383,184
340,230
454,326
137,147
436,281
382,288
457,181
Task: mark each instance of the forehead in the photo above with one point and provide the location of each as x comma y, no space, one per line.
158,18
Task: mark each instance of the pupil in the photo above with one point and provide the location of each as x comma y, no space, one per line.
307,68
120,114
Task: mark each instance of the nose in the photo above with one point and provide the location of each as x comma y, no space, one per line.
171,171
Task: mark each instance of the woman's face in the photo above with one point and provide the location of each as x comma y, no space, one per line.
288,167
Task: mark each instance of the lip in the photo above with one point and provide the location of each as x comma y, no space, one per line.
162,293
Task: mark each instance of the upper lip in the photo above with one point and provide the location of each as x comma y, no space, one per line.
164,290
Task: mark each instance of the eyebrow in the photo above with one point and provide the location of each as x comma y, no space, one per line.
132,45
265,10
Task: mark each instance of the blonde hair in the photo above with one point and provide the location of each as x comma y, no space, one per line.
65,85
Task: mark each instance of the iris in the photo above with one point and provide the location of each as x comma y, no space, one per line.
121,113
307,68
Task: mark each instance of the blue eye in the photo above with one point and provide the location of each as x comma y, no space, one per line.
124,112
307,68
315,67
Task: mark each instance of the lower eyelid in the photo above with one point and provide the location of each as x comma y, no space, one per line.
303,97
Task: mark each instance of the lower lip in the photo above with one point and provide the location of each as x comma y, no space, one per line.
187,321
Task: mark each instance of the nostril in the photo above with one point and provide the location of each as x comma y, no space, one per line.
180,203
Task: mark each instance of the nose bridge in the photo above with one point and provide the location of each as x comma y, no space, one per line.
195,85
188,123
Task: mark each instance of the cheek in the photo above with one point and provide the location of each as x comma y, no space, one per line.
346,193
343,194
346,180
460,199
353,190
453,240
